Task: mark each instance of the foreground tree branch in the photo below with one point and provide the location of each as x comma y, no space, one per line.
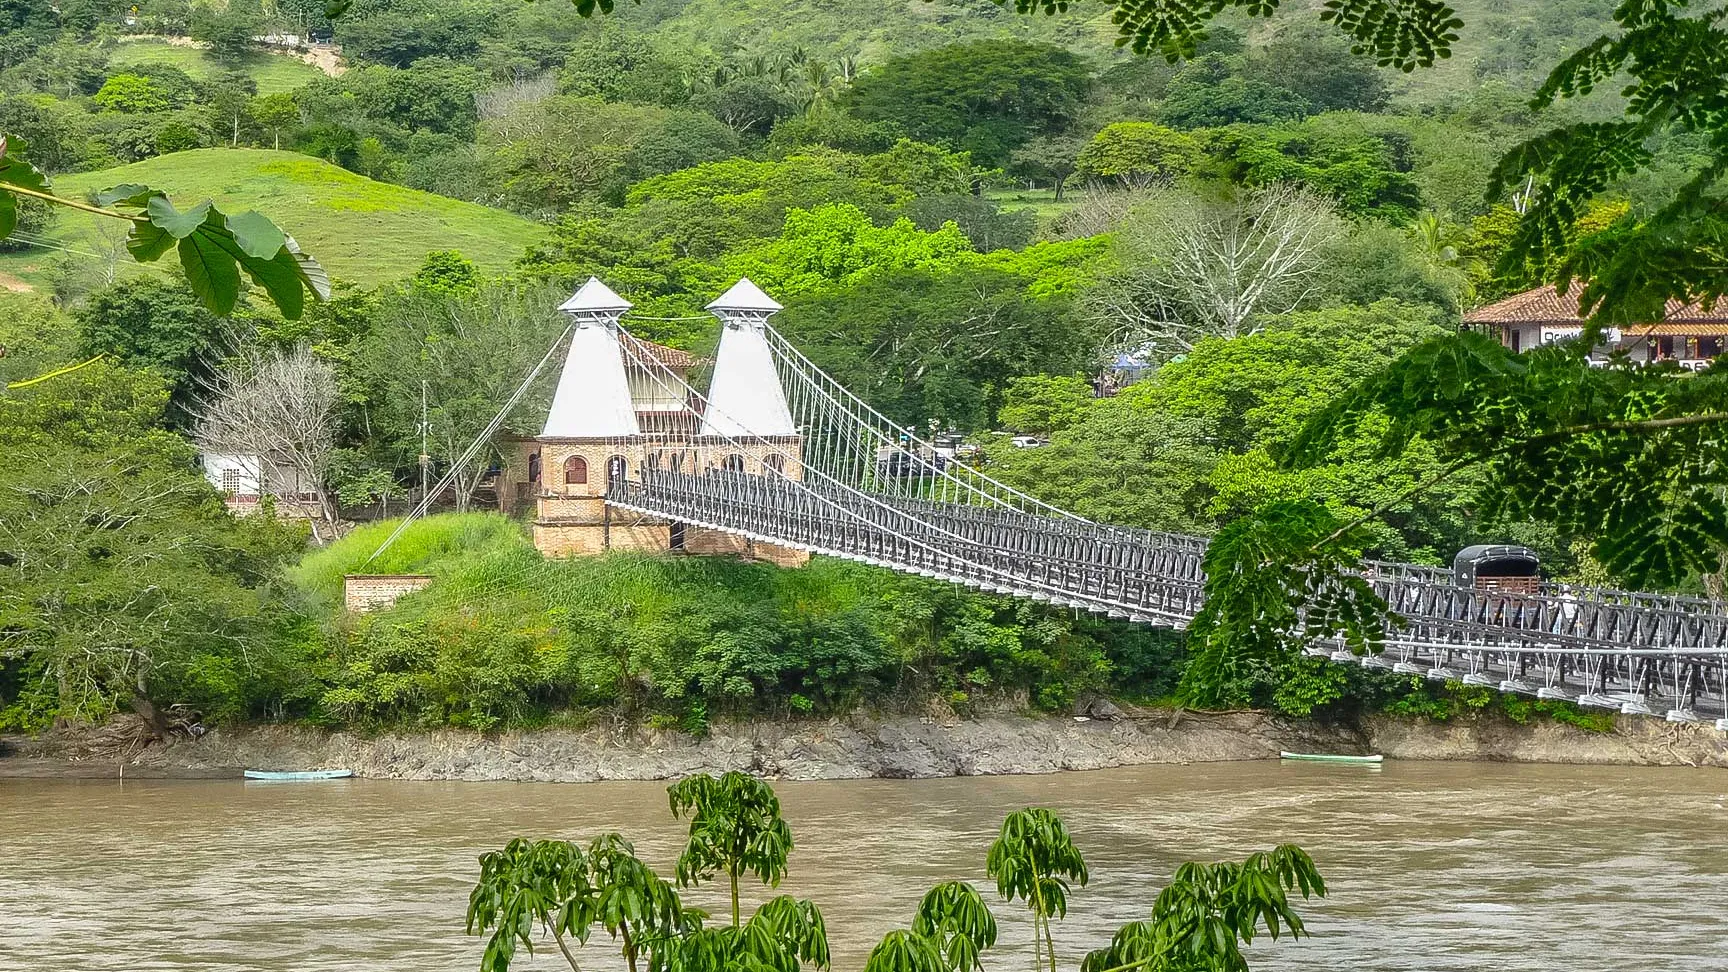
213,248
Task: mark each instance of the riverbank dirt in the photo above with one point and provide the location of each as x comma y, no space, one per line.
864,745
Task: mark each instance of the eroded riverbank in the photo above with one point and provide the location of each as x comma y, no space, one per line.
865,746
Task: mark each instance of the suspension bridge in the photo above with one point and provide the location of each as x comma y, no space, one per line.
773,451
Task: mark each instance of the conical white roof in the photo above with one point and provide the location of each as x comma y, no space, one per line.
745,397
593,396
745,296
594,296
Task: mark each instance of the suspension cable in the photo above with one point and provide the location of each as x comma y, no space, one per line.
474,448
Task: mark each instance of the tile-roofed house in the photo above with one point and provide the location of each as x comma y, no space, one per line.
675,358
1687,333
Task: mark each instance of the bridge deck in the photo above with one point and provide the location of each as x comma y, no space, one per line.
1644,654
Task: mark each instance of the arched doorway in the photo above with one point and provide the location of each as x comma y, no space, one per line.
775,464
733,463
615,469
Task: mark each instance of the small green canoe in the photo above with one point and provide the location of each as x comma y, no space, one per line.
1324,758
298,776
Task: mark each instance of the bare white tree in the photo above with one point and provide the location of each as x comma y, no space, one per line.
1189,267
279,406
500,100
1099,208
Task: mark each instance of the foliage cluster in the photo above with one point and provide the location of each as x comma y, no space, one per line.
505,638
123,581
1200,920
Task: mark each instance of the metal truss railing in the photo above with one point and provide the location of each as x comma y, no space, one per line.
870,490
1634,654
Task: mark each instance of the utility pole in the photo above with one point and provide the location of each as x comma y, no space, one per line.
425,458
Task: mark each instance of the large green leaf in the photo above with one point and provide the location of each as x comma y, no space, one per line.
14,171
174,222
214,247
207,256
256,235
129,194
312,274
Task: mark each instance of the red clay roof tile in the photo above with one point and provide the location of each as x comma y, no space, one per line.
1545,305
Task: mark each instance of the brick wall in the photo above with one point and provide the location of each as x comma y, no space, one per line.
572,520
364,592
718,543
582,539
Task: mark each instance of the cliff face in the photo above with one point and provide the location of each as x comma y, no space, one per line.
870,746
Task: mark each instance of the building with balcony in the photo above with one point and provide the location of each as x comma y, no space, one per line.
1687,333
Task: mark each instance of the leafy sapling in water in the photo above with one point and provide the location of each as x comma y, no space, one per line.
735,826
529,883
565,891
904,950
954,916
1209,911
782,936
952,928
637,907
1033,859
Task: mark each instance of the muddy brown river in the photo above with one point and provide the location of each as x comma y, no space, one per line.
1431,866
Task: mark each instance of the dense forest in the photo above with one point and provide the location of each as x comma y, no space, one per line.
973,219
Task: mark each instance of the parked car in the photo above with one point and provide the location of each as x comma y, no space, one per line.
901,464
1027,442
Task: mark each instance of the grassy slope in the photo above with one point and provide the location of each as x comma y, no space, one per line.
363,231
438,545
1540,31
271,72
872,30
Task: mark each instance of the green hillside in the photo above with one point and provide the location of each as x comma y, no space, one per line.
1511,41
363,231
271,72
870,30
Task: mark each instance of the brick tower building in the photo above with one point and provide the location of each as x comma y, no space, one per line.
622,404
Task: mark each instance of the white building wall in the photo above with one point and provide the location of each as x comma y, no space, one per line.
232,474
655,392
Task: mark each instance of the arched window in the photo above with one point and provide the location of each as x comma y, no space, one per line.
733,463
575,471
614,472
776,464
534,467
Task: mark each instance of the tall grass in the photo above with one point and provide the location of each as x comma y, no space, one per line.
446,545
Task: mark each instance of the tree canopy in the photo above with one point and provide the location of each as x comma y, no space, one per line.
985,98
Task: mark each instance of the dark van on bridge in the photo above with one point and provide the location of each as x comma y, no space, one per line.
1500,568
